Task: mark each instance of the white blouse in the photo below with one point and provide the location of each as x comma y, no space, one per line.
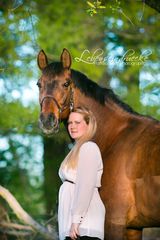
79,199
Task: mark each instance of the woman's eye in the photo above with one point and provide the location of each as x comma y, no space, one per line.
66,84
77,122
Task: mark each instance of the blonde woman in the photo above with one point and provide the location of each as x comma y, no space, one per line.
81,212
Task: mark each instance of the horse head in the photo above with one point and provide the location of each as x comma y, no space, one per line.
55,91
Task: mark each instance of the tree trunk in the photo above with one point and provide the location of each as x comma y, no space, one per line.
54,152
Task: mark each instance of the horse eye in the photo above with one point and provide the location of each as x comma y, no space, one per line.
66,84
39,85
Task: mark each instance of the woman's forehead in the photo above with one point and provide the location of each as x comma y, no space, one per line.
75,116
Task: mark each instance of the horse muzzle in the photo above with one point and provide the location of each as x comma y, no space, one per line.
48,123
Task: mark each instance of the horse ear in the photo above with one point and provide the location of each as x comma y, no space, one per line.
42,60
66,58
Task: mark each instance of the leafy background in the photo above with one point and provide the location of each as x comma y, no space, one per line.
29,161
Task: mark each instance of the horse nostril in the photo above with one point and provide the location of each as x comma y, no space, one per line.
50,116
41,117
48,123
47,120
47,117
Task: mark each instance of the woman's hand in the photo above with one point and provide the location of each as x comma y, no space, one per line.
74,231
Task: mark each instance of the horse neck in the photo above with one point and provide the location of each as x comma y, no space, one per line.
111,118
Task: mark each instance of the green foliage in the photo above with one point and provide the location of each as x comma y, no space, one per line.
130,33
18,170
94,7
15,118
72,28
19,121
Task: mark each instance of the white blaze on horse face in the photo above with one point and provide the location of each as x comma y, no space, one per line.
77,126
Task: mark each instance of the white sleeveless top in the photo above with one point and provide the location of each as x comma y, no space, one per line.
79,199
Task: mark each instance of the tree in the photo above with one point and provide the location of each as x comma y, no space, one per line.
19,131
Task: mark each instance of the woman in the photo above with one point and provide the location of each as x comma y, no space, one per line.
81,212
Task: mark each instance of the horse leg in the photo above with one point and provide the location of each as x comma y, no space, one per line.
115,231
134,234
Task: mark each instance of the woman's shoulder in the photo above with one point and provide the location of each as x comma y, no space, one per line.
90,145
90,150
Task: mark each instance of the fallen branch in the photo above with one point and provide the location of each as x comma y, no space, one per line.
15,225
15,229
24,216
15,232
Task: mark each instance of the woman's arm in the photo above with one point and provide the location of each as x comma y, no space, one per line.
88,165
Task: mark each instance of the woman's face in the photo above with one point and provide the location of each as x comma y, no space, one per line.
77,126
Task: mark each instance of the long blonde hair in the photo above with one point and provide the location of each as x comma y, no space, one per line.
72,158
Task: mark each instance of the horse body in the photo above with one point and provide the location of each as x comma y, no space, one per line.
129,143
131,179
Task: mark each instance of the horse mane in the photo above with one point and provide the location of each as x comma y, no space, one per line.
89,87
95,91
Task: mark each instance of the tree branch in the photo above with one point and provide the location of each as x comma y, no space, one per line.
155,4
24,216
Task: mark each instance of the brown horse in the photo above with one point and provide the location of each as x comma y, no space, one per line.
129,142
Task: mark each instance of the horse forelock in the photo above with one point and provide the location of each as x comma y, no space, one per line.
54,68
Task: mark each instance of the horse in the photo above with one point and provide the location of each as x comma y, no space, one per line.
129,143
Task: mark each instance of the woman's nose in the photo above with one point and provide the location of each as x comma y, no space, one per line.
73,126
